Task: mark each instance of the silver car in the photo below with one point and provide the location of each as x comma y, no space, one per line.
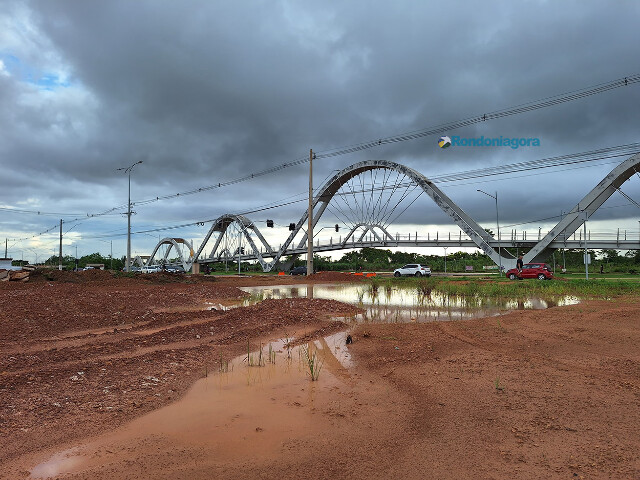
412,269
151,269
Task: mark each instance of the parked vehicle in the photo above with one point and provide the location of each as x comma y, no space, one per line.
298,271
151,269
412,269
541,271
175,269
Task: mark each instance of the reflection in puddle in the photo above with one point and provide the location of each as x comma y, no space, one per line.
398,305
223,416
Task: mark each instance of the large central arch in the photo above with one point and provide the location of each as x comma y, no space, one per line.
469,226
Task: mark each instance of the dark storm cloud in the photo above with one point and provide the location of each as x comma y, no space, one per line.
206,91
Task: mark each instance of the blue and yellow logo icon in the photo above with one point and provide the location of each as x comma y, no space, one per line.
444,142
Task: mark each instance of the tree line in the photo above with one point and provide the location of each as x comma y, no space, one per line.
374,259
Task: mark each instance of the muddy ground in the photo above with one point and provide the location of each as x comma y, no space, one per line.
530,394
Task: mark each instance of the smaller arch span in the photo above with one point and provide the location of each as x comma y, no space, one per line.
246,226
366,229
173,243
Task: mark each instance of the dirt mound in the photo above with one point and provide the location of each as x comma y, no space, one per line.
50,275
109,277
336,277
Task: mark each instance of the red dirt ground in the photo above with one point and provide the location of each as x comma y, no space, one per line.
528,395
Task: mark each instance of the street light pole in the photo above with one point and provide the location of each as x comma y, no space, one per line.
495,197
445,259
586,252
127,170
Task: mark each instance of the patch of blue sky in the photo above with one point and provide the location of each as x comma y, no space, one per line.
50,81
29,74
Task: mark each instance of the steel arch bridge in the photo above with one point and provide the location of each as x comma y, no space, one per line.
372,213
174,244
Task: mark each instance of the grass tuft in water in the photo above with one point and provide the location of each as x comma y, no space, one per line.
312,361
287,342
223,365
272,355
251,360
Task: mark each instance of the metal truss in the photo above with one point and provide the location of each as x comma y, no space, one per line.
173,243
482,239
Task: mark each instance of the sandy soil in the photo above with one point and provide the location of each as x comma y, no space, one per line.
88,359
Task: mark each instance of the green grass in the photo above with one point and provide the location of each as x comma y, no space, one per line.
494,287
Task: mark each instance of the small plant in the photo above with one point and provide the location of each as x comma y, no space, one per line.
425,286
496,383
261,361
223,366
374,285
312,361
272,355
287,344
500,327
251,361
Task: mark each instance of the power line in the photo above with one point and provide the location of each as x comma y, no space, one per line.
436,130
550,162
439,129
525,107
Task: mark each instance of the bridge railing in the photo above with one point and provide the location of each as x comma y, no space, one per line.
514,236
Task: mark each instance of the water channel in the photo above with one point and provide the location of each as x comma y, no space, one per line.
399,305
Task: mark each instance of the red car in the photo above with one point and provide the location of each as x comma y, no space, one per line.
541,271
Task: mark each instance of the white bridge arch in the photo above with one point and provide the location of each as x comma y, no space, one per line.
174,244
260,249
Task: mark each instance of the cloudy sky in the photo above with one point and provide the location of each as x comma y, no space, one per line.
208,91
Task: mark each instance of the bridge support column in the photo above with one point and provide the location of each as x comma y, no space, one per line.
195,268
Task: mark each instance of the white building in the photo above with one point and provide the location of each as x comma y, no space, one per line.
5,264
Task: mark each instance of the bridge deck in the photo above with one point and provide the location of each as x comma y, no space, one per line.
524,244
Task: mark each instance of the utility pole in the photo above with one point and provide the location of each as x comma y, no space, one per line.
6,241
128,171
310,215
60,251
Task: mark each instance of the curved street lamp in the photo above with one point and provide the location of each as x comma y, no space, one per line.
495,197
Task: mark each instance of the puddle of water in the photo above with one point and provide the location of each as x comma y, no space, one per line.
398,305
223,415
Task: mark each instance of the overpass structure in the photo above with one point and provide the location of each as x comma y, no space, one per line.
366,195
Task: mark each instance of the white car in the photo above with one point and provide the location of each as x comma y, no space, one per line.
412,269
151,269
